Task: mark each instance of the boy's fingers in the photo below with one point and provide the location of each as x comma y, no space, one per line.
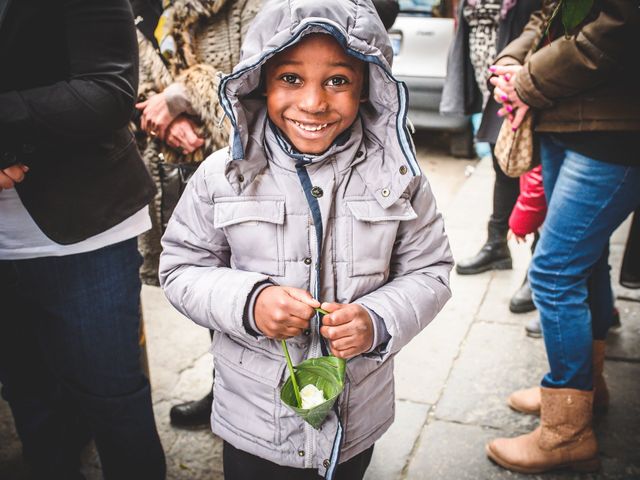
334,333
336,318
346,354
302,296
297,322
331,307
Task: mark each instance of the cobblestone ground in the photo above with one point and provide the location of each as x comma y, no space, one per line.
451,380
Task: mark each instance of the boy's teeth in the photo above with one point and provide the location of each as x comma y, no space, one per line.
310,128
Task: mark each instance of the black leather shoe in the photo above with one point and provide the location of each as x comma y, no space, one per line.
194,414
492,256
521,302
533,328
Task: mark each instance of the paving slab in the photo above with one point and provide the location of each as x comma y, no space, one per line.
455,451
422,367
393,450
496,359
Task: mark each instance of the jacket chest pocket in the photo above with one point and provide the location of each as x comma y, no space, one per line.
254,228
373,234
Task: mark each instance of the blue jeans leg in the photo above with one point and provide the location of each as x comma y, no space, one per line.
588,199
72,340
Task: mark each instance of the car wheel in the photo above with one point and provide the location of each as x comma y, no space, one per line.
461,144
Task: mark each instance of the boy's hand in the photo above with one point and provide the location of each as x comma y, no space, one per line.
348,328
283,312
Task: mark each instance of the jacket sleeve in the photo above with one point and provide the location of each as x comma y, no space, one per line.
531,207
99,91
516,51
573,64
195,272
418,285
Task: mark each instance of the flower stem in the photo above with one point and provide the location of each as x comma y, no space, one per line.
292,373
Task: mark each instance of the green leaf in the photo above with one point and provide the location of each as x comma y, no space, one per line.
574,12
327,374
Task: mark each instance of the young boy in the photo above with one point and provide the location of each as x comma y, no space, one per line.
318,202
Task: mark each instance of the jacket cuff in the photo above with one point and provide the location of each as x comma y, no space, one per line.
506,60
248,318
177,100
528,92
381,335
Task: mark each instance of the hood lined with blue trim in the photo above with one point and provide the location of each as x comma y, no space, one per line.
391,161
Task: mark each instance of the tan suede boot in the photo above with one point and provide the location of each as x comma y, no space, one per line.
600,390
528,400
564,438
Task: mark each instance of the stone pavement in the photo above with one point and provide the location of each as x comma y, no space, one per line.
451,380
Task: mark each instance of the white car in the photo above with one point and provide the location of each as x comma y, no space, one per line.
421,40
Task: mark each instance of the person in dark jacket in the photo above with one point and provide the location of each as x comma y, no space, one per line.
73,198
485,27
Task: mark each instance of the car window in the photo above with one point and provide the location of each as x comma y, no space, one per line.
418,6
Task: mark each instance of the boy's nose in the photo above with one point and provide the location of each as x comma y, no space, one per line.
313,100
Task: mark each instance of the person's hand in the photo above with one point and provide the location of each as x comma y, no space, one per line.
283,312
12,175
519,239
505,93
182,135
156,116
349,329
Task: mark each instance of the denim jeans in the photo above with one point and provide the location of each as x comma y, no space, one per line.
70,363
569,274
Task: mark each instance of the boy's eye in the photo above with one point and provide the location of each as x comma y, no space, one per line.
289,78
337,81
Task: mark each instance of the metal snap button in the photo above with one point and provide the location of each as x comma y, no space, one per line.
359,153
241,178
386,192
316,192
307,261
326,463
301,453
307,332
403,170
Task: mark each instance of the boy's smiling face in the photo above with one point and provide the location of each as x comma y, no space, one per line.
314,90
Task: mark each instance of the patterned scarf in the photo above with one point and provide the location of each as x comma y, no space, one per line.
506,6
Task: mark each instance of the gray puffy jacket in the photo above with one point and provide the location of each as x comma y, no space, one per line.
245,218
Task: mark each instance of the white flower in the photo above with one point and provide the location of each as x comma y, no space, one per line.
311,396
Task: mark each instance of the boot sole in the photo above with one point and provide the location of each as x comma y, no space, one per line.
522,410
517,308
497,265
584,466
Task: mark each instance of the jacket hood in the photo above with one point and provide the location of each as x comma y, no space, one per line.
357,27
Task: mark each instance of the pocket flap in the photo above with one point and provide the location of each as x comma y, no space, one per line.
232,211
370,210
253,364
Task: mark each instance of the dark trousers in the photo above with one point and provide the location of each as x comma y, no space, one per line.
240,465
505,195
70,363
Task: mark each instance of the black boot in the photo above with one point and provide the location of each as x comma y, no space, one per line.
194,414
494,255
521,302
